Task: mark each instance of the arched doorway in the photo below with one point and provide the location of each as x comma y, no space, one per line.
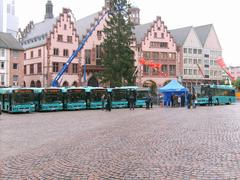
32,84
38,84
24,84
152,85
65,84
75,84
93,82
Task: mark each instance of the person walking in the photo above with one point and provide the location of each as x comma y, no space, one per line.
103,101
179,101
189,100
131,102
151,101
147,101
194,98
109,103
182,100
210,100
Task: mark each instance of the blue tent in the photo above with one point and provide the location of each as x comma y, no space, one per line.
173,87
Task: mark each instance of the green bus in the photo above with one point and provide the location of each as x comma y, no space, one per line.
119,97
221,94
75,98
49,99
141,96
94,97
17,100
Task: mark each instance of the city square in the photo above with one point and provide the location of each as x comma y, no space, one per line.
160,143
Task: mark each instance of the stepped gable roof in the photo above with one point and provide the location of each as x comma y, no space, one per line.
141,30
202,32
7,41
180,35
82,25
37,36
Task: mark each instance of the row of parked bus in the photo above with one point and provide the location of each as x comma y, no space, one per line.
17,100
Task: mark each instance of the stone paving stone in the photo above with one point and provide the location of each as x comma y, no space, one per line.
202,143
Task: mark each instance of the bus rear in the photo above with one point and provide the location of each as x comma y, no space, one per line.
50,99
96,95
18,100
75,99
119,98
141,96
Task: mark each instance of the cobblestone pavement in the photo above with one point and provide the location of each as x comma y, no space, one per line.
202,143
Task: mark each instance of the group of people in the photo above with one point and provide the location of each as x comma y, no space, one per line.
180,100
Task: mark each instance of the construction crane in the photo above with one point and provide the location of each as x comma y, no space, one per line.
75,53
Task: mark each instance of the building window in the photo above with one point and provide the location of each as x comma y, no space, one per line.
163,44
206,55
158,44
146,55
88,56
211,73
194,51
31,68
199,61
98,52
164,68
199,51
190,61
155,35
99,35
25,56
2,64
195,61
65,27
2,80
55,67
2,52
39,53
206,72
162,35
190,71
65,52
189,50
211,62
15,78
25,69
39,68
66,71
31,54
56,52
172,70
195,71
69,39
145,69
185,60
185,71
185,50
15,66
75,68
60,38
155,55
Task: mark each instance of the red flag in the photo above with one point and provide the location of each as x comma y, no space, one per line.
200,70
222,64
142,61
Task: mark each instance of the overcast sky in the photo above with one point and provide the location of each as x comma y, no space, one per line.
223,14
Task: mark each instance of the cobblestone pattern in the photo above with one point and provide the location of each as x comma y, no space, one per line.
202,143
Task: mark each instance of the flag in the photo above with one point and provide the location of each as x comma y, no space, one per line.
222,64
200,70
85,72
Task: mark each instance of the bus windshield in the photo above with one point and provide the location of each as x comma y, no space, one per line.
142,94
51,96
119,95
96,94
76,95
23,97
